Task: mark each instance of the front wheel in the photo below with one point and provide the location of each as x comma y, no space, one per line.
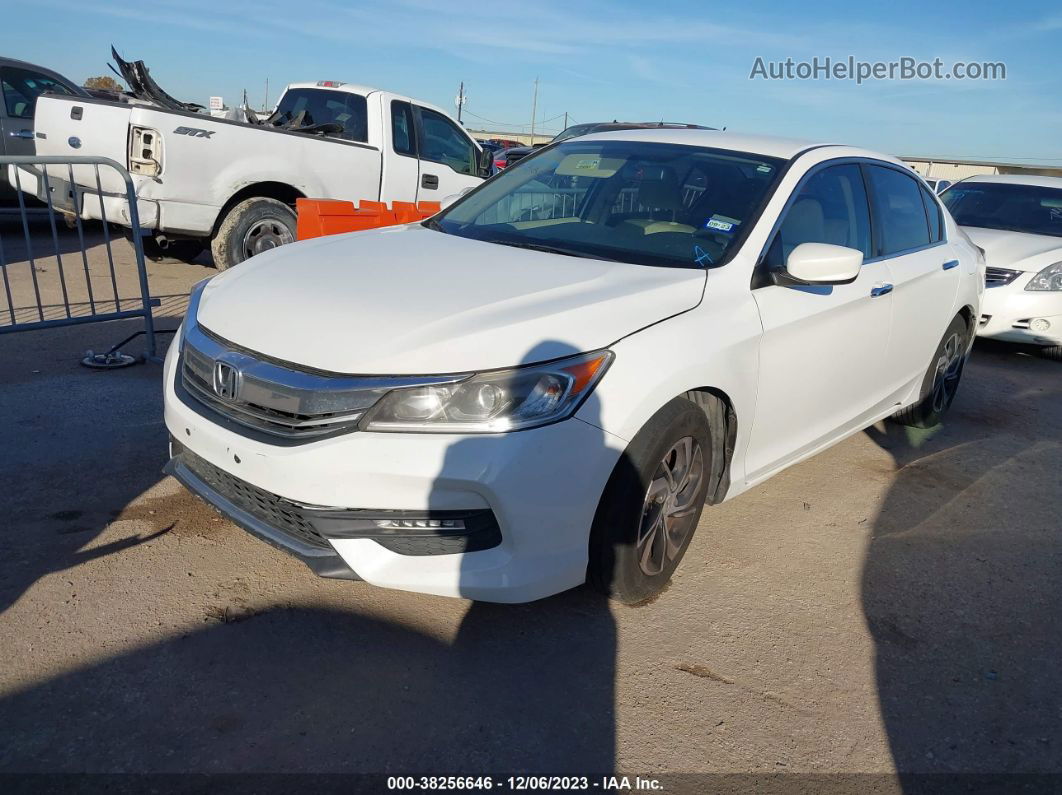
254,225
941,381
651,505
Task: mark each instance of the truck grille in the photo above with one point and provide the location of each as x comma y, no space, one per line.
1000,277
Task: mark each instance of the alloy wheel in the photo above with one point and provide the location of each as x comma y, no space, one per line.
948,371
670,508
264,235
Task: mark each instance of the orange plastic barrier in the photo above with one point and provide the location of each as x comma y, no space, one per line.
318,217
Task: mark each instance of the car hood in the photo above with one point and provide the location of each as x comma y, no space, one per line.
1016,250
411,301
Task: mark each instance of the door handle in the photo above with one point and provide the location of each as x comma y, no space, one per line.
429,181
21,134
951,263
880,290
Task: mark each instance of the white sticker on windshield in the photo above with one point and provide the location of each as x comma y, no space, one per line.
722,223
589,164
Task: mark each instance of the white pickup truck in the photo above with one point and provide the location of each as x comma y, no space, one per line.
203,180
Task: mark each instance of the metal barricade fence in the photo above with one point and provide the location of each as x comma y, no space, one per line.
78,296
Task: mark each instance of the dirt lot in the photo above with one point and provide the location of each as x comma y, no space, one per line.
891,605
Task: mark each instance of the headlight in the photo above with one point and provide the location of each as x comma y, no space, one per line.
494,402
1050,278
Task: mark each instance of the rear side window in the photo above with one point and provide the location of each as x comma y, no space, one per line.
21,89
403,133
900,222
831,207
443,142
936,221
310,107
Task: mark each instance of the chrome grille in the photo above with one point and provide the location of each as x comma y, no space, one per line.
1000,277
276,399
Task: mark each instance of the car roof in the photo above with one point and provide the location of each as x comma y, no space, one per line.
770,146
1017,179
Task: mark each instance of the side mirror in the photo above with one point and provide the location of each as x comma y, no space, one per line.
486,163
821,263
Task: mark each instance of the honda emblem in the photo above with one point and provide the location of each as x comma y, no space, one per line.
226,380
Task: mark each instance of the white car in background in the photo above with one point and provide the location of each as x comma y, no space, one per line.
544,383
1017,222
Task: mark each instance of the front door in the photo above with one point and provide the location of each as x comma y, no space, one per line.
449,158
401,166
823,348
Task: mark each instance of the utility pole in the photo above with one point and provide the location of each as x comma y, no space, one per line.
565,127
265,102
460,100
534,110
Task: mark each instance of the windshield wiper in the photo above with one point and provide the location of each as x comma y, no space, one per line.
434,225
550,249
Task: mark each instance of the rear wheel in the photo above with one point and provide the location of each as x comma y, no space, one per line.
1054,352
251,227
941,381
651,505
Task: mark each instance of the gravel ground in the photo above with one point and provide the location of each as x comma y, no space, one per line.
890,606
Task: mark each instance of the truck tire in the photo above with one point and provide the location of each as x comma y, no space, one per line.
1054,352
251,227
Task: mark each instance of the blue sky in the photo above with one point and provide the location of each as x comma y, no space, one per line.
680,61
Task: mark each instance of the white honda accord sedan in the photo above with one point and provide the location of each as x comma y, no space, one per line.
546,382
1017,222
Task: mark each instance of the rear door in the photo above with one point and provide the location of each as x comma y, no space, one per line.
20,88
908,233
401,163
823,347
449,158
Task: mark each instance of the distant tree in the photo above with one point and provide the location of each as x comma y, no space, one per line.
103,83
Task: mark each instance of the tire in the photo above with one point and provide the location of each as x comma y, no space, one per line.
183,250
251,227
634,550
1054,353
941,381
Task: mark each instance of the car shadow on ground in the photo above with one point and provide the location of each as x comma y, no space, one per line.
963,600
519,688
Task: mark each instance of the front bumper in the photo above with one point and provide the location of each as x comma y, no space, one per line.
1008,311
541,486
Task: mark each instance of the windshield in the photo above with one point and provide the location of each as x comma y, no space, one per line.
1006,205
646,203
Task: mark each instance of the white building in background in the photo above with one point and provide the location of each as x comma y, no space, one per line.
954,170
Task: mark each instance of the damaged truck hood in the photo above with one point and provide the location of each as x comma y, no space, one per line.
407,300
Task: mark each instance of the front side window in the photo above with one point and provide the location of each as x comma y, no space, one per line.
647,203
443,142
21,89
830,207
1006,205
900,222
312,107
403,133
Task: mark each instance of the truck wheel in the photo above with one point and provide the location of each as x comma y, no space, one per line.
651,505
251,227
1054,352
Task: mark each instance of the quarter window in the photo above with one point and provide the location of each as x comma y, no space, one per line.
403,133
900,222
936,221
443,142
831,207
